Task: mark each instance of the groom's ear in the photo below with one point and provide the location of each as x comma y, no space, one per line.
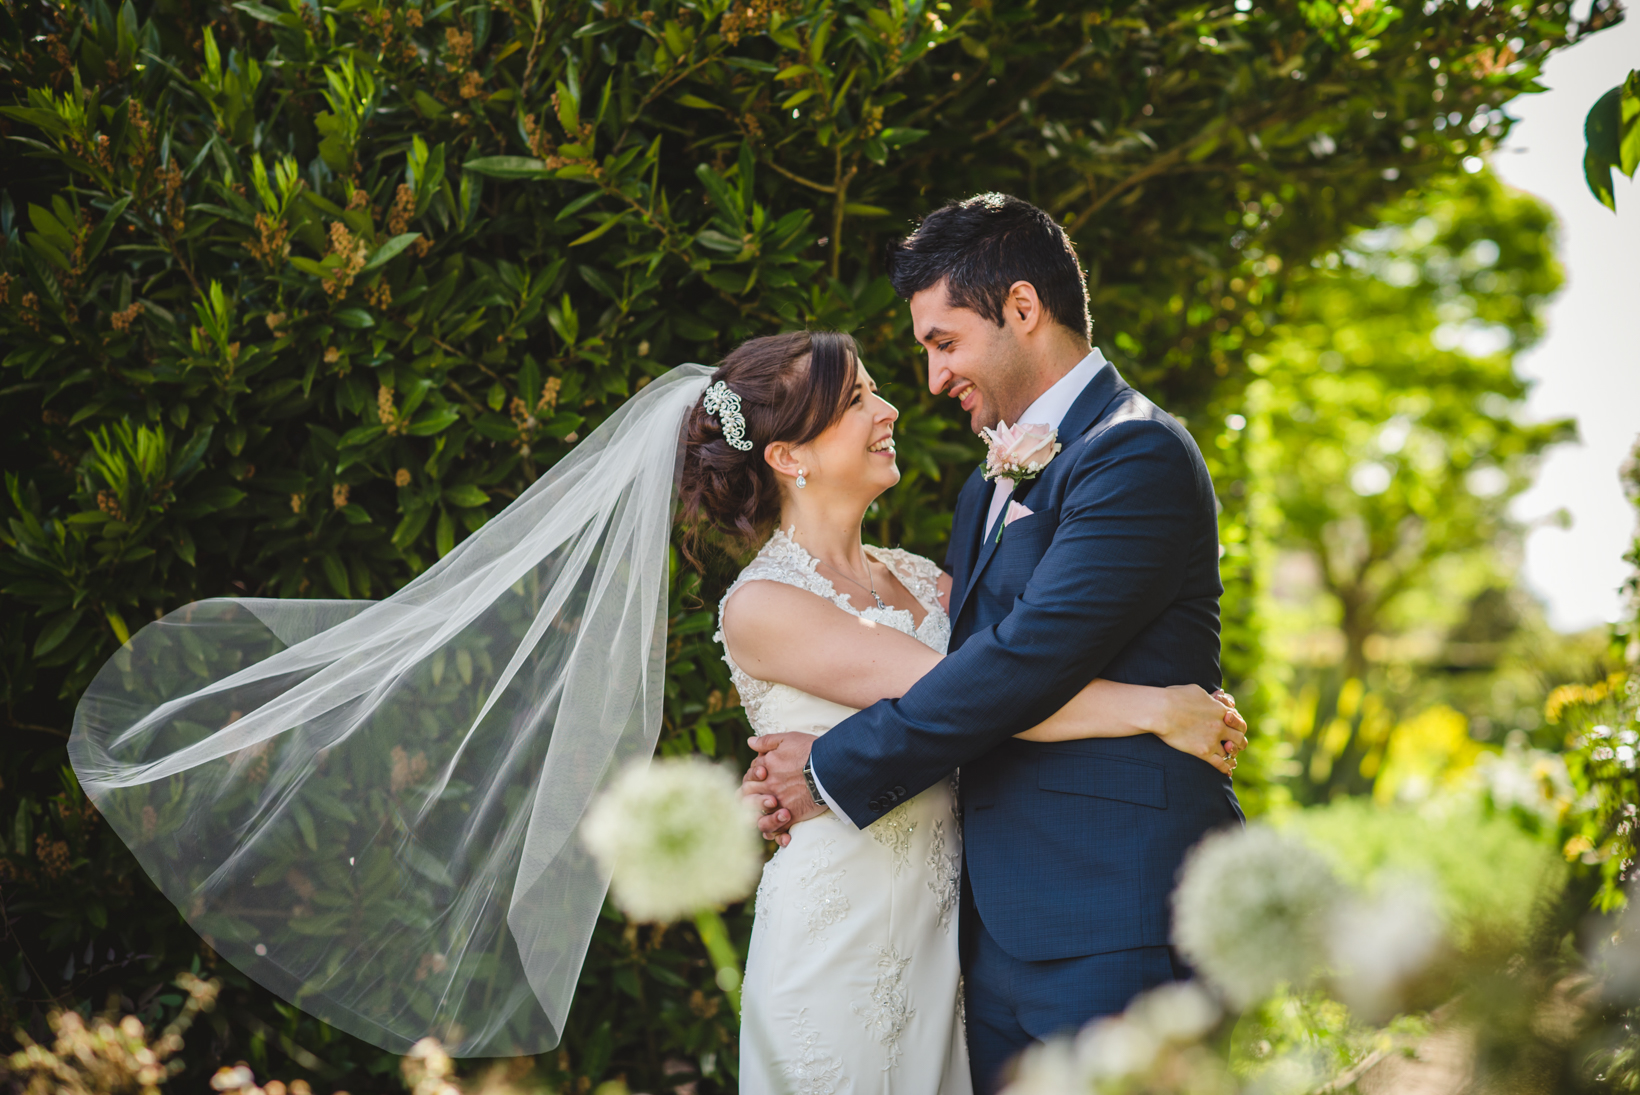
1023,308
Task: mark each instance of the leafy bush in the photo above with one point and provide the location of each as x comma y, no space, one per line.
294,295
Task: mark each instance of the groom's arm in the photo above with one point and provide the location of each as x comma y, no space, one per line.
1116,562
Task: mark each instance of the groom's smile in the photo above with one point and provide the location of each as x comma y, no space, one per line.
980,364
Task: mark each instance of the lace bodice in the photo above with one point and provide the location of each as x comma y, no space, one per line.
782,559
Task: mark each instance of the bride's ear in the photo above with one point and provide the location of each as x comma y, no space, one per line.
783,458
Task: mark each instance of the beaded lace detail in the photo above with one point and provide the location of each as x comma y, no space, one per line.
782,559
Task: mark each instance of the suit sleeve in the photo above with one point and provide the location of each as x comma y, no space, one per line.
1115,563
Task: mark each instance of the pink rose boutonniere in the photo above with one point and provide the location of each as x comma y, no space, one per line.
1018,452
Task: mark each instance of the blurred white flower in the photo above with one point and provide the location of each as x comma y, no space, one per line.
1290,1074
1177,1012
1252,911
1049,1068
1378,943
1158,1030
676,837
1532,779
1110,1049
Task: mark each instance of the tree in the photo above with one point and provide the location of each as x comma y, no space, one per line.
295,295
1386,431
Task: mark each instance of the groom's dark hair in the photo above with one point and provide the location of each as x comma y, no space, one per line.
982,245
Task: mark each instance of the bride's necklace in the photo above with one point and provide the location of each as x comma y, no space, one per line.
871,589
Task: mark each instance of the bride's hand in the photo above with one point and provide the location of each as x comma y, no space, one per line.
1203,724
775,780
751,785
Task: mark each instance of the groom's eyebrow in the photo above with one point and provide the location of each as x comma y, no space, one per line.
933,334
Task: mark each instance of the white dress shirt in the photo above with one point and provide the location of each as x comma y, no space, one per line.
1050,408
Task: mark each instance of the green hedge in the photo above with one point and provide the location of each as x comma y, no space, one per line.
293,296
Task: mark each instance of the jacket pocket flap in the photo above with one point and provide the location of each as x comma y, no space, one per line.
1103,777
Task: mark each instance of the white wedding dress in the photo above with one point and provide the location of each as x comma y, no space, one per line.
852,983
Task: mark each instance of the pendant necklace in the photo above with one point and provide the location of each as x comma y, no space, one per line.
871,589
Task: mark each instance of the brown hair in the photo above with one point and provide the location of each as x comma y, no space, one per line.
791,388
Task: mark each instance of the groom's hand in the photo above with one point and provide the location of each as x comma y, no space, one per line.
775,779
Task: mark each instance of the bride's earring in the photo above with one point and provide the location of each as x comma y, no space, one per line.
801,481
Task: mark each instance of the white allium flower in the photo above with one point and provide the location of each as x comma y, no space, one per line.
1180,1011
1252,911
1379,942
676,837
1113,1048
1049,1068
1109,1053
1295,1073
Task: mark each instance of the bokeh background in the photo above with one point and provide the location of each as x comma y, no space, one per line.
294,296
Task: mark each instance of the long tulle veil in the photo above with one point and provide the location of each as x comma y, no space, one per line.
371,807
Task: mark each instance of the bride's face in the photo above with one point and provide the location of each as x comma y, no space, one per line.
855,455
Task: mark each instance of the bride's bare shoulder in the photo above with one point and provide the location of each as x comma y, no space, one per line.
758,603
760,617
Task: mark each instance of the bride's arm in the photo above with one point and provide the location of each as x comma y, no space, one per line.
780,633
1184,716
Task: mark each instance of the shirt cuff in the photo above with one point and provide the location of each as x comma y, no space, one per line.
830,802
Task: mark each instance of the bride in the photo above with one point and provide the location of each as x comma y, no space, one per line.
852,982
372,808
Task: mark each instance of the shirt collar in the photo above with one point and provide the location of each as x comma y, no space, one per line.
1053,405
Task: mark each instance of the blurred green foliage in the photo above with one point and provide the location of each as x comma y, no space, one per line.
1385,422
1489,871
294,295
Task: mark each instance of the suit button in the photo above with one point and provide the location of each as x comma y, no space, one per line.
899,792
874,805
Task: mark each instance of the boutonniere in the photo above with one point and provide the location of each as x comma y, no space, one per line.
1018,452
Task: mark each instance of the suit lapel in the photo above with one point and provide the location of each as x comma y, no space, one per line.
1089,407
967,534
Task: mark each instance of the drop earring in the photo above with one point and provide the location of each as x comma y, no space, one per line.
801,481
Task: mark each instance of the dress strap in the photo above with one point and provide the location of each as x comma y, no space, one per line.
920,576
784,560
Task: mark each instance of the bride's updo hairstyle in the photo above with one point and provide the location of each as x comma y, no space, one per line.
791,388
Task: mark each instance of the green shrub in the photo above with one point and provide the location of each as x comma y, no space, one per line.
294,295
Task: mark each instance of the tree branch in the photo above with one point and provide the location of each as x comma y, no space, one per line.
52,730
801,181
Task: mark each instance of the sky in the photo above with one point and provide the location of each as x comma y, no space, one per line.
1588,366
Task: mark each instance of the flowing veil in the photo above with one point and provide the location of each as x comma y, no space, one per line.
371,807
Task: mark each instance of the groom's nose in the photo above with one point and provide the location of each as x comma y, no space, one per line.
938,377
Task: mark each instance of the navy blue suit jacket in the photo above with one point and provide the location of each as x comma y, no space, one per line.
1071,848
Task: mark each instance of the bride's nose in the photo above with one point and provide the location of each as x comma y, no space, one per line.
887,412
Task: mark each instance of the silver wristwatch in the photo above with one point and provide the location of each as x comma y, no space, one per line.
814,787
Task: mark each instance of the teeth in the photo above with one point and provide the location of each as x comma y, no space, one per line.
961,391
885,445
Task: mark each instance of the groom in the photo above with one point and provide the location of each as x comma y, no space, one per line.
1106,567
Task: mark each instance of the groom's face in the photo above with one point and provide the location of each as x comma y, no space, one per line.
982,366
